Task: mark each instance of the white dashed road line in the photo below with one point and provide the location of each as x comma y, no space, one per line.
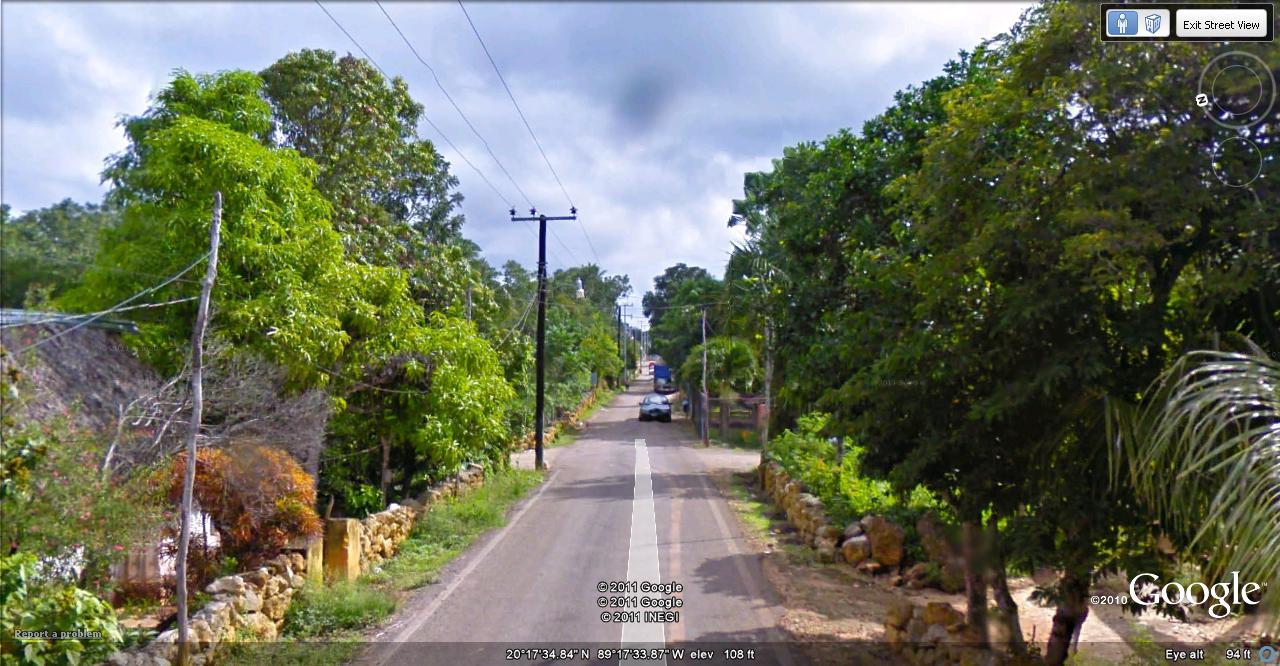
642,558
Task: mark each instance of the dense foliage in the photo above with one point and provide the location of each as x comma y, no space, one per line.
257,497
969,281
45,251
30,602
56,503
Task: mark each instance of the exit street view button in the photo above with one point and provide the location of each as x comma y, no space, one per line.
1186,21
1224,24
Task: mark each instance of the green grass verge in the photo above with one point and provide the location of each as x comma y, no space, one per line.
324,624
762,519
755,514
568,437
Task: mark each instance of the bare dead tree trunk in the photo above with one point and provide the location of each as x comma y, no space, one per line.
197,404
1073,609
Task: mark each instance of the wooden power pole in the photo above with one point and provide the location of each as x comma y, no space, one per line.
540,362
197,406
706,405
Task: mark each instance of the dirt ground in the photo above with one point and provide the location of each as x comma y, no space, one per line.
833,602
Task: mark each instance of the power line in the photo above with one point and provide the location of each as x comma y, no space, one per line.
452,102
528,127
440,132
117,307
424,113
514,103
519,323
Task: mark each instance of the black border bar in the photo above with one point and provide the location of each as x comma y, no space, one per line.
1173,20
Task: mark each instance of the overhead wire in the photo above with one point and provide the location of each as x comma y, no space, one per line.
533,135
424,115
449,97
118,307
441,133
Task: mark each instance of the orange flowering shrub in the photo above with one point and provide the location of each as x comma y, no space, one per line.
256,496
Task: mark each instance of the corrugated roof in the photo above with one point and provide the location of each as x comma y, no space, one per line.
11,317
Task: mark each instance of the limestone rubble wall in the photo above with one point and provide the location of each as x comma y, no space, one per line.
252,605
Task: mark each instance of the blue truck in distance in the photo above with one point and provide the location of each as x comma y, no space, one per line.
662,379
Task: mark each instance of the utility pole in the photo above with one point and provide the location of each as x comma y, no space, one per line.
540,362
706,441
768,383
193,429
623,337
468,301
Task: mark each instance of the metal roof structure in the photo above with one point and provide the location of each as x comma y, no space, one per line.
11,317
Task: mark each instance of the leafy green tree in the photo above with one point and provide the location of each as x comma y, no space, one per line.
602,291
391,191
655,302
1003,249
425,413
429,390
731,367
284,285
679,326
47,250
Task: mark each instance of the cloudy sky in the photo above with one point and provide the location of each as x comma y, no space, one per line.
650,113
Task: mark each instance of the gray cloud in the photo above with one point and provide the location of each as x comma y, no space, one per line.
650,112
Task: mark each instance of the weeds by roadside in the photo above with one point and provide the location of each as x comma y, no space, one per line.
324,624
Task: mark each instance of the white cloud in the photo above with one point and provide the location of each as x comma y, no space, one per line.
650,113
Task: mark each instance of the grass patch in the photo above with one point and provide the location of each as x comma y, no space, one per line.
327,610
756,515
761,519
324,625
603,400
566,437
333,650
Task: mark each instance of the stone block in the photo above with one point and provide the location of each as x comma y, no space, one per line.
342,549
856,549
899,613
941,613
226,585
307,557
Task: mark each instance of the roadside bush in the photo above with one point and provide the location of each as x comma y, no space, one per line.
257,497
58,506
32,602
846,492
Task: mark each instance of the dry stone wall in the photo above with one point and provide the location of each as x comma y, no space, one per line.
872,544
252,605
381,533
935,633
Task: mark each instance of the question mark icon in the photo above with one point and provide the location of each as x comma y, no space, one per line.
1268,654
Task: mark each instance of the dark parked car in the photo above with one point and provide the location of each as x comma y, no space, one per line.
655,407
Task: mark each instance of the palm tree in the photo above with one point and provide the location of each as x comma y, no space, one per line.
1203,451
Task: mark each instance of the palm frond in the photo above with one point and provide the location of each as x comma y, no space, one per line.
1203,452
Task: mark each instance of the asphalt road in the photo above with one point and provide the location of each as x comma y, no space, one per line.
628,504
